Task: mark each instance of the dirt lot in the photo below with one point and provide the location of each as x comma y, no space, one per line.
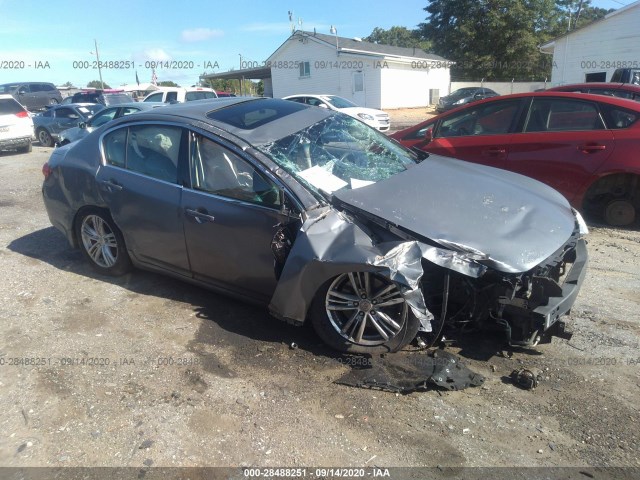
144,370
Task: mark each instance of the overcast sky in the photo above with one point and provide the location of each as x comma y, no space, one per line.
54,41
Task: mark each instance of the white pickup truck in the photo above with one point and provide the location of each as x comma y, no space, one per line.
180,94
626,75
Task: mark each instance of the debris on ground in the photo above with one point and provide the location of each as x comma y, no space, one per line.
406,373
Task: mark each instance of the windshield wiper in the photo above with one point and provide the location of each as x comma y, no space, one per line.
420,154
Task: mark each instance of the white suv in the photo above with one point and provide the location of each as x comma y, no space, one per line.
180,95
16,126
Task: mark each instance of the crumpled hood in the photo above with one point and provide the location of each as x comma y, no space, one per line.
514,220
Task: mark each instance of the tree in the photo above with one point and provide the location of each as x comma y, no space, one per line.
499,39
168,83
68,84
492,39
398,37
97,84
577,13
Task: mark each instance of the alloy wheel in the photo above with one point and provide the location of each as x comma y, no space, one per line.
365,308
99,241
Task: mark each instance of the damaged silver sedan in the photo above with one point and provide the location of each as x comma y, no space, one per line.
321,218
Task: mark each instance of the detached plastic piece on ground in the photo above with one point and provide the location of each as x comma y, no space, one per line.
406,373
524,378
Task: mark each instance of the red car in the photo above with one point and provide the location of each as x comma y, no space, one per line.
622,90
585,146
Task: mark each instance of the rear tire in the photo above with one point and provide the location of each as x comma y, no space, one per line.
26,149
363,312
102,243
619,213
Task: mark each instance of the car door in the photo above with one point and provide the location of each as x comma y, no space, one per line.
478,133
563,142
232,212
64,118
139,183
26,97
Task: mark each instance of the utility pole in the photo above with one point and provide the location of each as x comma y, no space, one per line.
95,42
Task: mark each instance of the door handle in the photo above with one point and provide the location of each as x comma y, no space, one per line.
591,148
495,151
111,185
200,216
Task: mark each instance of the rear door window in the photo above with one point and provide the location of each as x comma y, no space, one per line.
560,114
67,113
151,150
172,97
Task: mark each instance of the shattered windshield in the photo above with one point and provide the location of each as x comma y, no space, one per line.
339,152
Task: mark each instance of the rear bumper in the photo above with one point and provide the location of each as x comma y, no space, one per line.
15,142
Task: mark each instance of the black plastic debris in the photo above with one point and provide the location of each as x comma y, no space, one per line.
524,378
406,373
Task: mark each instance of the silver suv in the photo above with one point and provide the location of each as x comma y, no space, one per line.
33,95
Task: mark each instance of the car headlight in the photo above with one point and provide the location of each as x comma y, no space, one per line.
366,116
582,225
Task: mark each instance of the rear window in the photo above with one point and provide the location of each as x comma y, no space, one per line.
199,96
254,114
8,106
617,118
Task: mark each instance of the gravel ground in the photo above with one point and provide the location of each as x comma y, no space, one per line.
144,370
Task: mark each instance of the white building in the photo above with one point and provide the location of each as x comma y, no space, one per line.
369,74
592,53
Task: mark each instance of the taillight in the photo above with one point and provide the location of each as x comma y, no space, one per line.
46,170
22,114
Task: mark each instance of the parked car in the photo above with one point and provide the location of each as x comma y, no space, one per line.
16,126
585,146
180,94
105,115
224,94
50,123
622,90
463,96
372,117
102,97
33,95
626,75
318,216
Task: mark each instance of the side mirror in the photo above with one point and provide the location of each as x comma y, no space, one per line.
82,125
428,135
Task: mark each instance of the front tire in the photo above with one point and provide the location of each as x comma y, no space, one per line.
363,312
44,138
102,243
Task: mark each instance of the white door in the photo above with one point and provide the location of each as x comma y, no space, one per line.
357,87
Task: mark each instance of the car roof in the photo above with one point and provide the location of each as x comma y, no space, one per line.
605,85
140,105
620,102
199,110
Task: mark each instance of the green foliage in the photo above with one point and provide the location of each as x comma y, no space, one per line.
398,37
68,84
168,83
97,84
499,39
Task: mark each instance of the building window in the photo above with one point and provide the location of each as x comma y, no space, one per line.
305,69
595,77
